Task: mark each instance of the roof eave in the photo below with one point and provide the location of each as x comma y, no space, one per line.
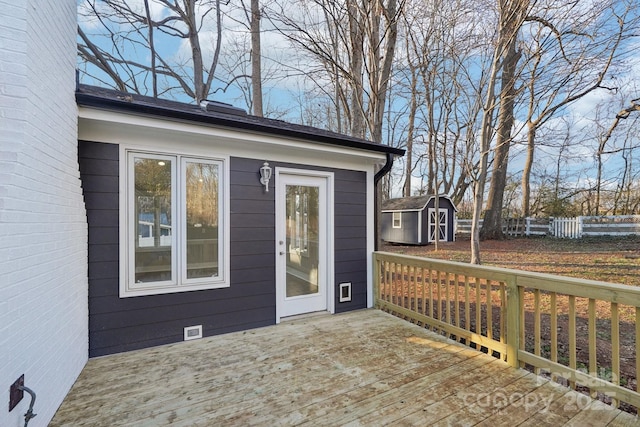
98,102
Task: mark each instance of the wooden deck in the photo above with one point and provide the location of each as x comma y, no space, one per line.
360,368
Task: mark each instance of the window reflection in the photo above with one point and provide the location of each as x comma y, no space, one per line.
153,201
202,219
302,240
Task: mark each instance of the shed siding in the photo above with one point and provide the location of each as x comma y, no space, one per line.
122,324
408,233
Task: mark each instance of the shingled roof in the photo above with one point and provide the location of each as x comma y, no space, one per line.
414,203
218,114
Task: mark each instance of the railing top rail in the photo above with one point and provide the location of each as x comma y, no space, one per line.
586,288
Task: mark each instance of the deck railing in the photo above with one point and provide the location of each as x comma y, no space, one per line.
581,333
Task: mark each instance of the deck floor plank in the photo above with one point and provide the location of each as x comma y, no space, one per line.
359,368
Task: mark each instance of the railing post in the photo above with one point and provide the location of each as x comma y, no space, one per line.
376,280
513,321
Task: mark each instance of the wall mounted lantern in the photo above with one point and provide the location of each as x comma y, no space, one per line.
265,176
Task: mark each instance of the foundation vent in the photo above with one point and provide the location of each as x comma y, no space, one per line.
192,332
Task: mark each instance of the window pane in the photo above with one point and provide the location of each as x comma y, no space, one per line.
396,220
202,219
303,254
153,249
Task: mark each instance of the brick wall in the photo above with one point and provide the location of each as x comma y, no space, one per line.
43,237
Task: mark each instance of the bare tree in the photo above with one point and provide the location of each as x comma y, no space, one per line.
511,17
127,28
571,50
622,115
364,35
442,42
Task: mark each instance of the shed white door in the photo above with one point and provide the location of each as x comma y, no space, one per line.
438,223
302,244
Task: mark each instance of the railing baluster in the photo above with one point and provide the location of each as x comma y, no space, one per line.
439,294
615,349
593,361
536,325
503,316
392,267
553,320
572,336
412,287
424,292
637,321
478,308
456,297
489,309
431,273
409,302
467,308
416,297
395,283
521,311
447,296
378,283
402,286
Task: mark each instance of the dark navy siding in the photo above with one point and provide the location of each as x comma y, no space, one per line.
122,324
350,232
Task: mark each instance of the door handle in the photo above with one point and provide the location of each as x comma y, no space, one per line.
281,253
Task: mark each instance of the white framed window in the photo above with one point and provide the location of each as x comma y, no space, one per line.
175,224
397,219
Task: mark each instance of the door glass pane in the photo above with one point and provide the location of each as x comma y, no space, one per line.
153,200
302,240
202,219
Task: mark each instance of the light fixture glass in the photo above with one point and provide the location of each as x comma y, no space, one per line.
265,176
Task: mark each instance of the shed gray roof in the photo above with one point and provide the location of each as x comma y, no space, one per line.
414,203
219,114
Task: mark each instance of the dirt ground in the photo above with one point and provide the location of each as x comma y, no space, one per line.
609,259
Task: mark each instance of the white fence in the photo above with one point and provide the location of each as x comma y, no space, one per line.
565,228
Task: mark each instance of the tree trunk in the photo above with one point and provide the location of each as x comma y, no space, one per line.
526,173
485,144
196,52
356,33
492,227
406,189
152,50
256,59
383,72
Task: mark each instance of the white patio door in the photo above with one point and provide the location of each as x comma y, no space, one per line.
302,243
439,223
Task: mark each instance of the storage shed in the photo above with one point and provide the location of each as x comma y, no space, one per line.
412,220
